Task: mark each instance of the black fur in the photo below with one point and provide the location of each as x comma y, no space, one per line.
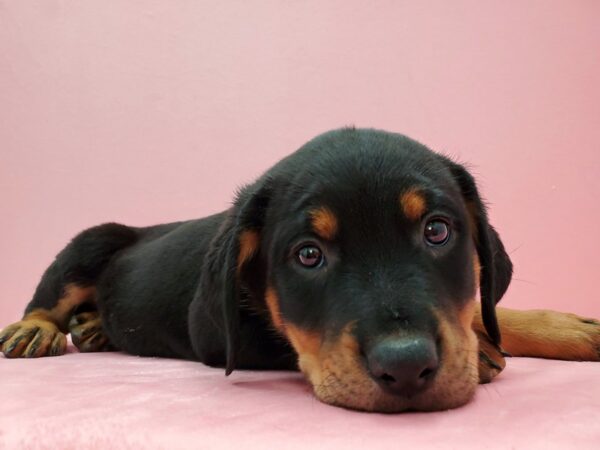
81,262
175,290
496,267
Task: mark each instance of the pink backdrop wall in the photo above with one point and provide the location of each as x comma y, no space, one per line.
153,111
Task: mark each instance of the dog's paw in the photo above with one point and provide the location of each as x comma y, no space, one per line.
491,359
87,334
549,334
32,338
572,337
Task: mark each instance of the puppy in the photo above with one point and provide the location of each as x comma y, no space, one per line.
358,259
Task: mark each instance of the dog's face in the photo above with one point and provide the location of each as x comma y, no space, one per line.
364,249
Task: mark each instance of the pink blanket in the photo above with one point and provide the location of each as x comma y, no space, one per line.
111,400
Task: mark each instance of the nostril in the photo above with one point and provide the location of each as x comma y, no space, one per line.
387,378
426,372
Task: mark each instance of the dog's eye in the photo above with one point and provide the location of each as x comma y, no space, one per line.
437,232
310,256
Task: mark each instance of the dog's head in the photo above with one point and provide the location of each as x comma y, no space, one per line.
366,250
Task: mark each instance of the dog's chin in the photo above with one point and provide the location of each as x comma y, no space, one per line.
351,387
370,397
339,376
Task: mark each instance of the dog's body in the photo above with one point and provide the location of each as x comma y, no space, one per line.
356,259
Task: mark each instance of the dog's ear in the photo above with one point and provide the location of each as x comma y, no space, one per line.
496,267
231,251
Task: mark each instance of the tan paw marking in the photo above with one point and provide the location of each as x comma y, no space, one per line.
32,338
491,359
550,334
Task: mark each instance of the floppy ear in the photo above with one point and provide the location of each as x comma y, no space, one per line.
230,251
496,267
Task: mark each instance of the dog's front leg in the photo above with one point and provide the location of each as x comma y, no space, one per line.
537,334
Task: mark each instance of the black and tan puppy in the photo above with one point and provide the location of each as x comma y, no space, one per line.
357,259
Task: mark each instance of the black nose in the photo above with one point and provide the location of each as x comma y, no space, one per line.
404,365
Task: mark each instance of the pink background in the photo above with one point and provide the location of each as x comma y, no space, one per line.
154,111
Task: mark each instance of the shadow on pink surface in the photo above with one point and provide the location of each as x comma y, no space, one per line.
285,384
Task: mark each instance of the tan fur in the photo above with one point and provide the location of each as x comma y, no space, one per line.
337,373
33,332
466,314
307,344
491,360
42,331
413,204
473,220
249,240
324,223
546,334
272,301
61,313
335,369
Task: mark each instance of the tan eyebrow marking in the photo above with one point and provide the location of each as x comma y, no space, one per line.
413,203
324,222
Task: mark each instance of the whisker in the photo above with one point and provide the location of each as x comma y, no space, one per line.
525,281
515,249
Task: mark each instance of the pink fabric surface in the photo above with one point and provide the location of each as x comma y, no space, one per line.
112,400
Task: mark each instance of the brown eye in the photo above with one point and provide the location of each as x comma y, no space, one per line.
310,256
437,232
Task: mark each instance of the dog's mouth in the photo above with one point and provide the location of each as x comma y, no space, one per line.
342,374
